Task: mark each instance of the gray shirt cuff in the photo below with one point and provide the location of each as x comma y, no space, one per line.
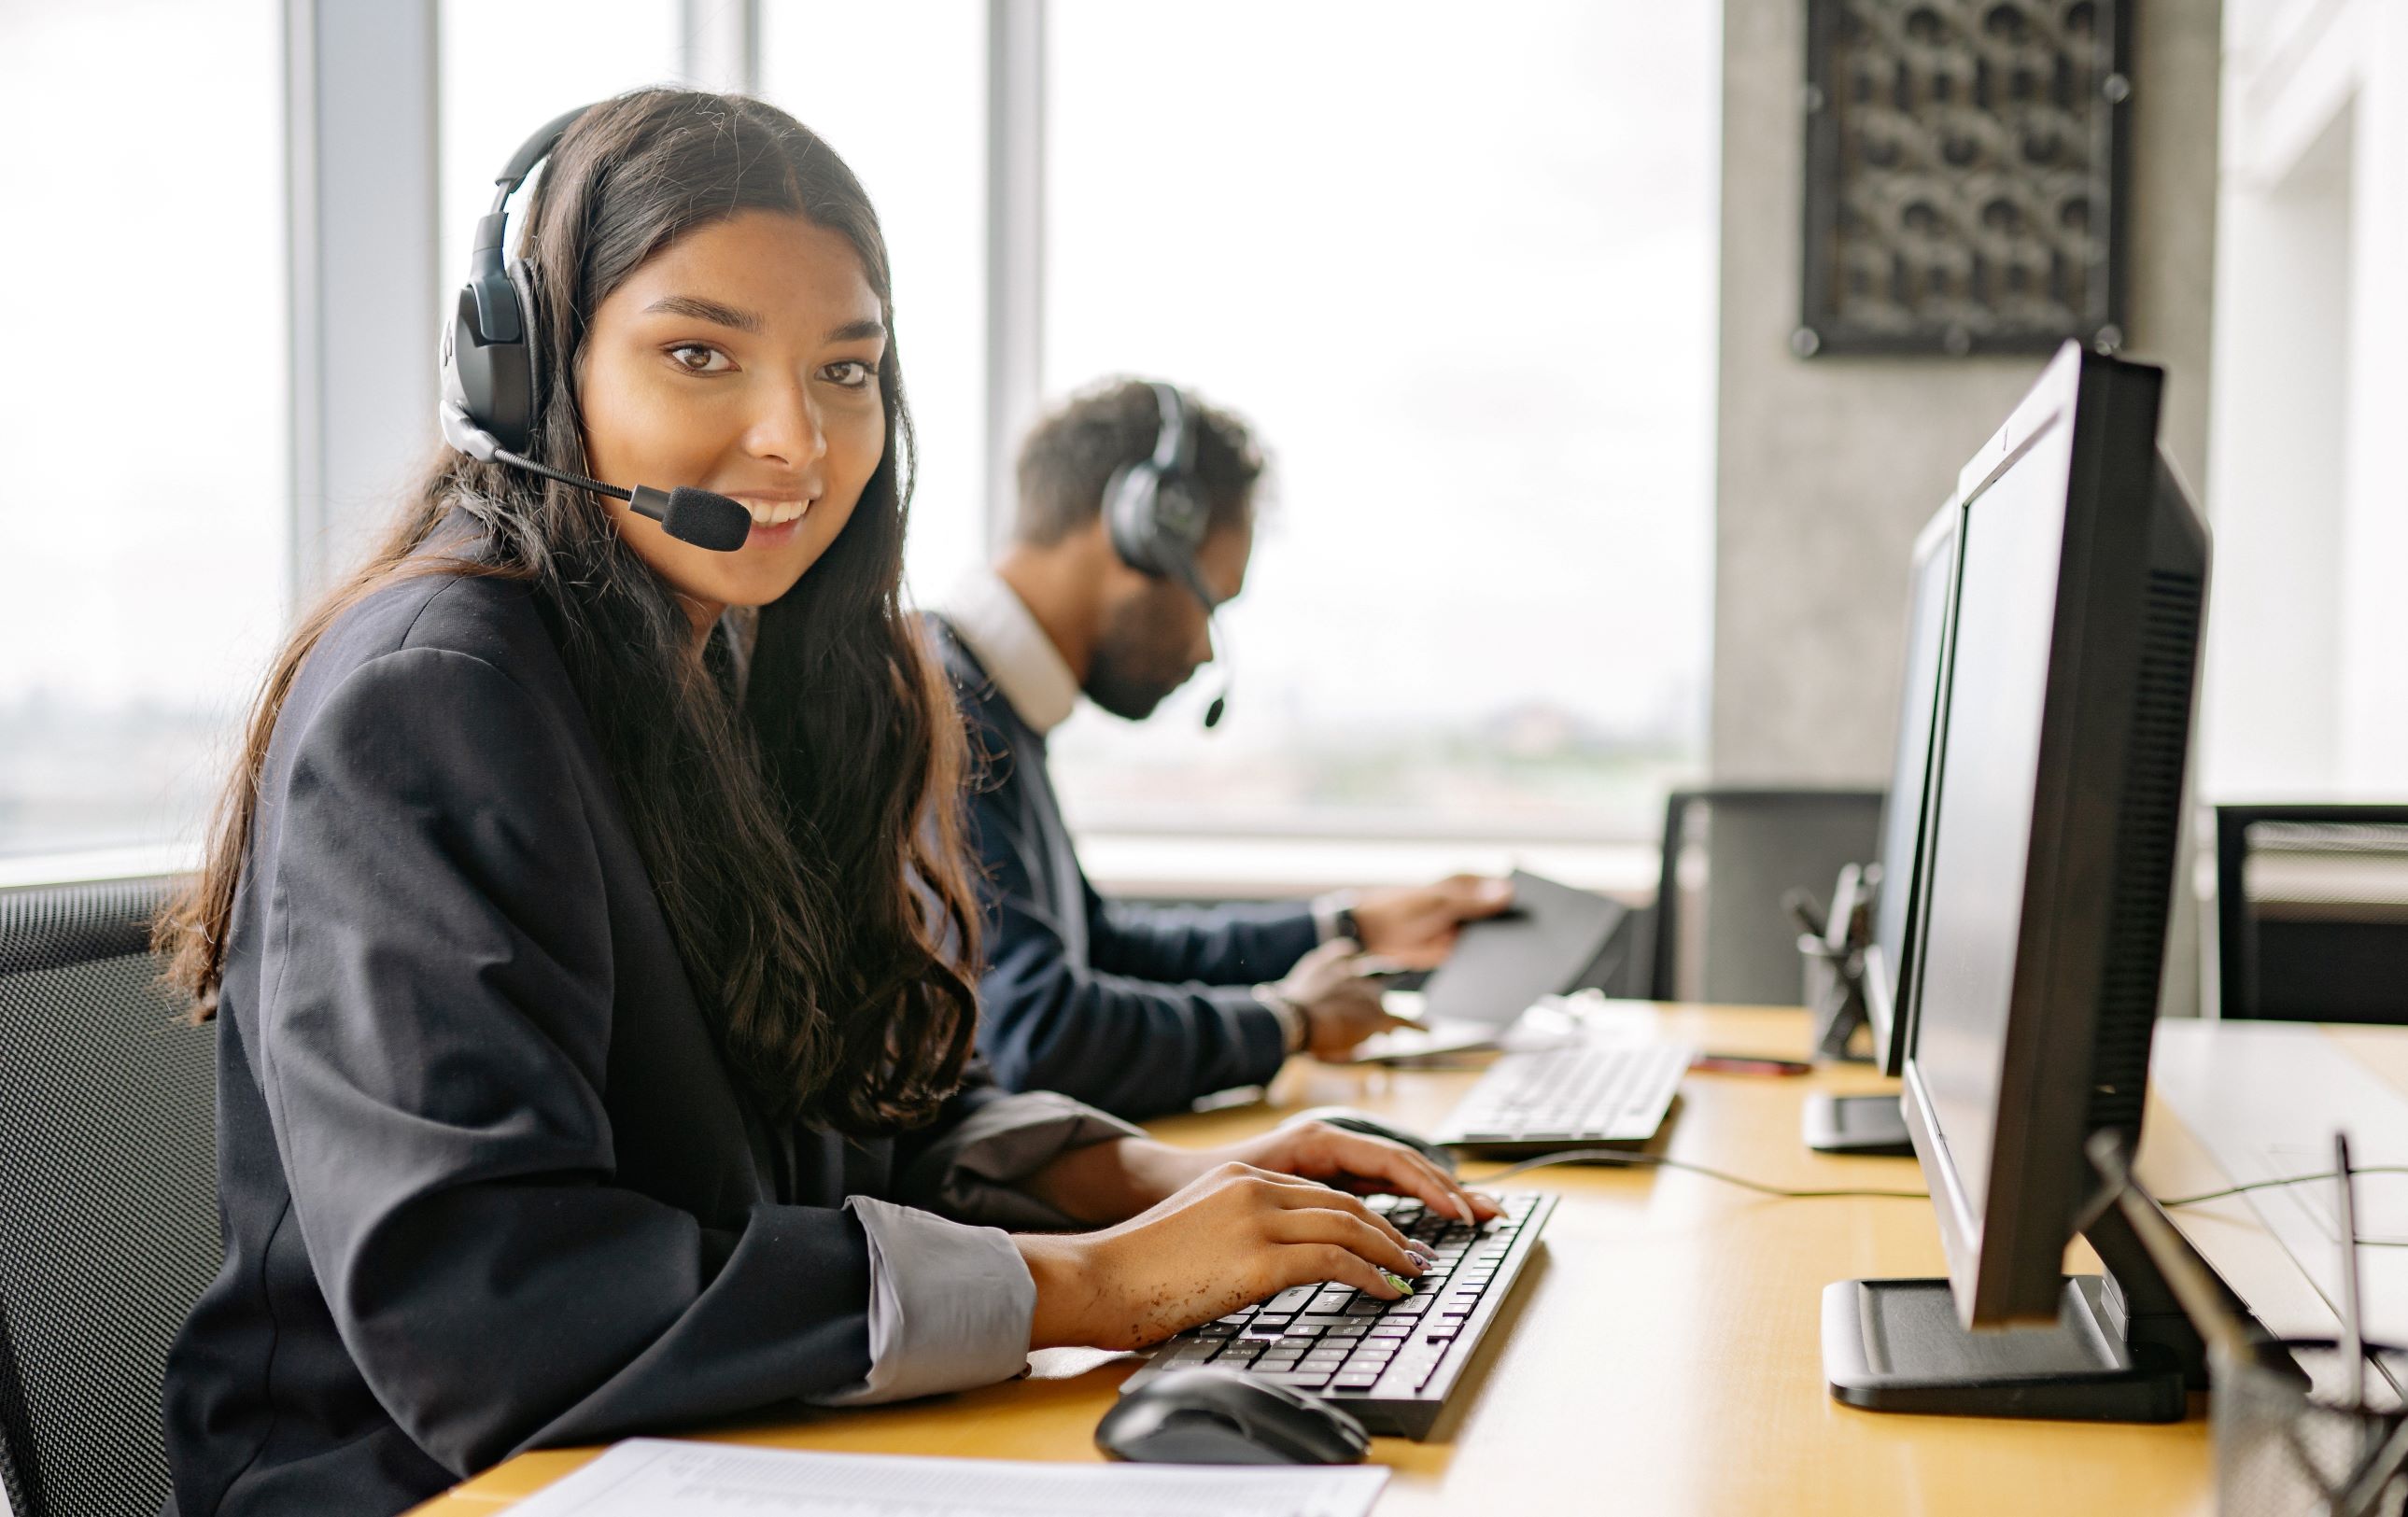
974,1171
949,1306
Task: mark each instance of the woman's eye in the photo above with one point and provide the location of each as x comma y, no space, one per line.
696,358
851,373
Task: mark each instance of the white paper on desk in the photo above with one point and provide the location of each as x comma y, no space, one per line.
661,1478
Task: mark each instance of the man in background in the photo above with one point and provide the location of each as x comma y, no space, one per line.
1134,520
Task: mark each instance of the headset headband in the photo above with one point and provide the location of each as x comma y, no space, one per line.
497,308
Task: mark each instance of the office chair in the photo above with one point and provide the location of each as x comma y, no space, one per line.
109,1211
2312,913
1731,853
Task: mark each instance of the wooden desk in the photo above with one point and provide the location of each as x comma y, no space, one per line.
1662,1353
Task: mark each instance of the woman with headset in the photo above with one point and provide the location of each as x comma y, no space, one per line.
587,925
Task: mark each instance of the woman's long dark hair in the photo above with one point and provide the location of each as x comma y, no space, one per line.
805,846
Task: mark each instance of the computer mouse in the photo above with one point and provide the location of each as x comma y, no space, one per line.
1208,1416
1372,1127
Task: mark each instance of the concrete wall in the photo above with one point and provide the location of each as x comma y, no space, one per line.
1828,466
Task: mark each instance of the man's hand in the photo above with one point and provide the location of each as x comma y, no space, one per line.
1341,1008
1414,927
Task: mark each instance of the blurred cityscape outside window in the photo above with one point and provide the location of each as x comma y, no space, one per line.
1459,275
144,523
1457,269
901,92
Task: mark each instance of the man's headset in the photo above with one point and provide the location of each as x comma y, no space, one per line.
1157,513
492,374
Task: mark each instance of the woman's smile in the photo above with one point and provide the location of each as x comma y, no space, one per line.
777,519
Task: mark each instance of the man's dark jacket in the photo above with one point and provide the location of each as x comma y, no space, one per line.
1136,1010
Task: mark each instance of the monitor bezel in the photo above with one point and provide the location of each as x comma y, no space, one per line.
1891,1012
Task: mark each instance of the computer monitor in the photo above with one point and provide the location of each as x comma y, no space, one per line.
1875,1125
2059,761
1889,962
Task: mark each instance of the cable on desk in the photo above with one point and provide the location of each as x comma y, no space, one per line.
1656,1161
2303,1180
1613,1158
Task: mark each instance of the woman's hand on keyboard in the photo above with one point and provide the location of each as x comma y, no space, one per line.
1362,1164
1234,1234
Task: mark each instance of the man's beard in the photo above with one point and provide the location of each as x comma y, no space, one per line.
1130,672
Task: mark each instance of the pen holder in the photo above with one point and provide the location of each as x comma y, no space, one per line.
2285,1443
1834,993
1834,963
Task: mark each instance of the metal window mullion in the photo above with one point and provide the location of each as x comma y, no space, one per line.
1015,242
360,267
722,45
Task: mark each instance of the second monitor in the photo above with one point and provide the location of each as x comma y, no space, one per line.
1876,1125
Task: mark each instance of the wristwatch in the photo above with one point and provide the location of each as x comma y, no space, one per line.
1334,915
1295,1025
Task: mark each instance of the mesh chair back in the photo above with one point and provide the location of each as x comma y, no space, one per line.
109,1211
2312,913
1731,853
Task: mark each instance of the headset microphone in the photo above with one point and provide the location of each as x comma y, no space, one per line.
689,515
492,371
1220,705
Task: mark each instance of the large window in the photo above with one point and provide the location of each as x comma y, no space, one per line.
900,91
507,69
1459,272
1457,268
143,524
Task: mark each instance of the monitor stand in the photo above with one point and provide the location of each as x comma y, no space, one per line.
1873,1125
2121,1351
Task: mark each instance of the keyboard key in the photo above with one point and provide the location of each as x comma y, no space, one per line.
1392,1329
1317,1323
1290,1301
1351,1327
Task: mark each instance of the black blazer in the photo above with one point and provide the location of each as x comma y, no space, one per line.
1136,1010
486,1181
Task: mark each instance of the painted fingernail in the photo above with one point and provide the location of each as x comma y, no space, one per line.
1396,1281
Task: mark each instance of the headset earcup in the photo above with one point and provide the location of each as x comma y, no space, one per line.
530,385
489,381
1129,516
1181,516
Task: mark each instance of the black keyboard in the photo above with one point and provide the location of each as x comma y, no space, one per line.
1392,1364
